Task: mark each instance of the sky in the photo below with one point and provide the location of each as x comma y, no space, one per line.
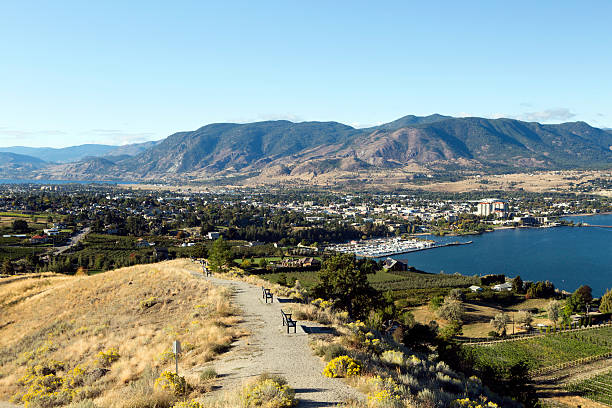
119,72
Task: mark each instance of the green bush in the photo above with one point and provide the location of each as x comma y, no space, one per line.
208,374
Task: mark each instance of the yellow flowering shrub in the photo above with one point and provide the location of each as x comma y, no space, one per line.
468,403
266,392
188,404
108,357
172,383
342,366
385,392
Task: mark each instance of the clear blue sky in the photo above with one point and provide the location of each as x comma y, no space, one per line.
127,71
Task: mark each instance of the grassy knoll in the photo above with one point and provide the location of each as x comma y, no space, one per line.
546,350
598,388
107,337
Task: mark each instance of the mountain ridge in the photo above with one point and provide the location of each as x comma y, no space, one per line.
284,149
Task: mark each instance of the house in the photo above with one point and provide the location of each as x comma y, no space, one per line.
255,243
300,263
475,288
501,287
141,243
51,231
39,239
390,264
310,262
213,235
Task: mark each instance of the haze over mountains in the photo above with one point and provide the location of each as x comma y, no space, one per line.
283,149
75,153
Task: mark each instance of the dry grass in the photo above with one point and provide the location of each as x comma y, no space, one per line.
78,317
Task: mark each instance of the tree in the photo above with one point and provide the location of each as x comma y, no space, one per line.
451,310
606,302
220,255
584,294
341,278
578,301
20,226
553,309
456,294
525,318
499,323
517,284
7,267
199,250
454,328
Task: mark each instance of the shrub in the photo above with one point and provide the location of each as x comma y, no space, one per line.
171,382
385,393
330,351
342,366
208,374
393,357
147,303
268,391
108,357
188,404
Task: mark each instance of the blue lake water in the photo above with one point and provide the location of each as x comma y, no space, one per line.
567,256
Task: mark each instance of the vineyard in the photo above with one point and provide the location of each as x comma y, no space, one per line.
598,388
544,351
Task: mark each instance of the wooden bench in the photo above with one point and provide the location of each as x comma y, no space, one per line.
266,294
288,321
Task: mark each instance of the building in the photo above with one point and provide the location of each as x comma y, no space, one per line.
39,239
501,287
390,264
213,235
492,206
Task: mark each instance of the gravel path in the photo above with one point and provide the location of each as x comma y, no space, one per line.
270,349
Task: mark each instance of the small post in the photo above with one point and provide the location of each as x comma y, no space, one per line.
176,349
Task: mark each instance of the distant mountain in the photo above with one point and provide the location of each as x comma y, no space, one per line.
18,165
409,120
76,153
282,149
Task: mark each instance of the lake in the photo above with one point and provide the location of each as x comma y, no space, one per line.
567,256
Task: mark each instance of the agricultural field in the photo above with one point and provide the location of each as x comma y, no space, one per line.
598,388
408,288
543,351
100,252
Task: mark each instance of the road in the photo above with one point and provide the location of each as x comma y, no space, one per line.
73,241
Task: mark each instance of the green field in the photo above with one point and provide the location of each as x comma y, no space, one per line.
598,388
409,288
14,253
544,351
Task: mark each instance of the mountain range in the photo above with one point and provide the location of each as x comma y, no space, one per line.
80,152
282,149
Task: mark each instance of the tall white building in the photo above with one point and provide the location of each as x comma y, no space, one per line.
492,206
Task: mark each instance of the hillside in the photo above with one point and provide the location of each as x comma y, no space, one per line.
59,326
76,153
14,165
283,150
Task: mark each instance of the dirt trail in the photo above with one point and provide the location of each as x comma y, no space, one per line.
270,349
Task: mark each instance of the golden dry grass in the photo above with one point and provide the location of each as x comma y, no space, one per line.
138,310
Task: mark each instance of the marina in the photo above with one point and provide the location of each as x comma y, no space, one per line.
383,247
